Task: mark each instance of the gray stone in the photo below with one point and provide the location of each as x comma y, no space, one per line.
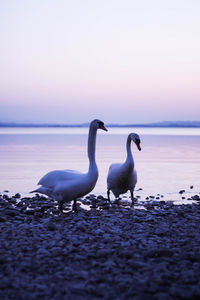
181,191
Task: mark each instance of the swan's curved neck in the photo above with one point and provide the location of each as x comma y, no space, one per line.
129,159
91,146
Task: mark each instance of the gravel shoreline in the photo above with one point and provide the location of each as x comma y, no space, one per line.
108,252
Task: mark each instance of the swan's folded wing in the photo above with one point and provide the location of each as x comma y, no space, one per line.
113,174
53,177
114,170
114,167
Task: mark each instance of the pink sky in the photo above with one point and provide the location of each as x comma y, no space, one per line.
121,61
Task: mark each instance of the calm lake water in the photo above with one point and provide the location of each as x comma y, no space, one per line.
169,160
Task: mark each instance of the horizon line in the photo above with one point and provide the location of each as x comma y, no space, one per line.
86,124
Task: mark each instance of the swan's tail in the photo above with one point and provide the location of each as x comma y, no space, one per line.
42,190
35,191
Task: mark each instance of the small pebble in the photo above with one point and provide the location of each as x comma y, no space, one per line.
17,196
181,191
6,197
196,197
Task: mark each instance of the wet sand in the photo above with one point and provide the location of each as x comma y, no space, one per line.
112,251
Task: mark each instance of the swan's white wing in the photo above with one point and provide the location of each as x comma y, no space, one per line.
54,177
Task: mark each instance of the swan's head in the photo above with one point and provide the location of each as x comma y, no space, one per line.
98,124
136,139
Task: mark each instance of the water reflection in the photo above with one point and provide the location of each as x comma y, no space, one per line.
166,164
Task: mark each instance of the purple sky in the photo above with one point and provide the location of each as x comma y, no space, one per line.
70,61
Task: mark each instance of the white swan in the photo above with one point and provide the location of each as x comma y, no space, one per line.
123,176
67,185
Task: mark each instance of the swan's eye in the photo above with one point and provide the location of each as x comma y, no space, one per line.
100,124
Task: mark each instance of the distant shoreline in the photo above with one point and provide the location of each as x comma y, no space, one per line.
167,124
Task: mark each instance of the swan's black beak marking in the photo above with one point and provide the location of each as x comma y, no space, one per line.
104,128
138,145
101,126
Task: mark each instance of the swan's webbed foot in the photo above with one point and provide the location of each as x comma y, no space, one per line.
74,207
132,198
108,195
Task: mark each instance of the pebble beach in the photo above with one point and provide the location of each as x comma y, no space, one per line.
106,251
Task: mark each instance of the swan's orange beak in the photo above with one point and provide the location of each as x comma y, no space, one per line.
101,126
138,145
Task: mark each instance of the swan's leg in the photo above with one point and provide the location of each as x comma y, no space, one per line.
74,207
60,205
108,195
117,200
132,197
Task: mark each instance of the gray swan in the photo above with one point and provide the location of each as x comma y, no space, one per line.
123,176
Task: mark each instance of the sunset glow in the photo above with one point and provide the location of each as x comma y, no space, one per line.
121,61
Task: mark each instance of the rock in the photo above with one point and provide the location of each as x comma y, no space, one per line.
195,197
6,197
12,212
29,212
195,257
181,191
51,226
5,283
151,287
156,203
17,196
93,206
191,187
180,293
162,202
137,264
20,204
162,296
162,231
86,201
2,219
12,200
